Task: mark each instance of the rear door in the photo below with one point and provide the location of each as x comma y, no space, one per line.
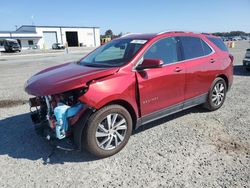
200,63
160,88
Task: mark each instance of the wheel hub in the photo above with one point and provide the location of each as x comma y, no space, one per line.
111,131
218,94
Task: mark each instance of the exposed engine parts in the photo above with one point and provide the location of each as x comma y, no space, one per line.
56,110
62,112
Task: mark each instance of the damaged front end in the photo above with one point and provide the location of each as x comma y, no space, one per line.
55,116
58,110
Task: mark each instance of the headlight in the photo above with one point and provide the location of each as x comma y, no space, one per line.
71,97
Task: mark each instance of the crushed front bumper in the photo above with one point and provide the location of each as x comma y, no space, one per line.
45,125
43,130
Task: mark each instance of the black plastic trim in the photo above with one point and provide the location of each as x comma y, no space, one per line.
172,109
78,128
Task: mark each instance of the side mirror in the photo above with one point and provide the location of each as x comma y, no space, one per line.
150,63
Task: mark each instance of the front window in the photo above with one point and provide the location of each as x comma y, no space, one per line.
13,43
113,54
164,49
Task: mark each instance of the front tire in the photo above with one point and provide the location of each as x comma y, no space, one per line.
108,131
216,95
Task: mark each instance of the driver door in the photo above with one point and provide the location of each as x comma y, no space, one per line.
161,90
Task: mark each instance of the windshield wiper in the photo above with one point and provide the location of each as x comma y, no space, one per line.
90,65
98,65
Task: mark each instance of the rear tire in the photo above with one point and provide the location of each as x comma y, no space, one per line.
108,131
216,95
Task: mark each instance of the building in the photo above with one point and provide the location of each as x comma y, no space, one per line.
30,36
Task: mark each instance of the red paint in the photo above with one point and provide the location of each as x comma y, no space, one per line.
160,87
157,88
63,78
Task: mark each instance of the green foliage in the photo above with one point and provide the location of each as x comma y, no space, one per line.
231,33
109,33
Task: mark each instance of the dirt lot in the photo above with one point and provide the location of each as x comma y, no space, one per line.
194,148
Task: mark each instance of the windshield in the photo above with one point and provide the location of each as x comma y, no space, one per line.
113,54
12,43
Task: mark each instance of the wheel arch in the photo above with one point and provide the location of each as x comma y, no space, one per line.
224,77
128,107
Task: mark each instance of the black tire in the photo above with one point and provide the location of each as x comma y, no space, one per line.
247,68
210,105
91,141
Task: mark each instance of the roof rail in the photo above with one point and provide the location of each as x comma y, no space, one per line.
129,34
204,33
163,32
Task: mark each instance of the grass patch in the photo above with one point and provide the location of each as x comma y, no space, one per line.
11,103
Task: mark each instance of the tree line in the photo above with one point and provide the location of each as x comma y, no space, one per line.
109,33
231,34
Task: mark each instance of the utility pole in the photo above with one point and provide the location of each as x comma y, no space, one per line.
32,20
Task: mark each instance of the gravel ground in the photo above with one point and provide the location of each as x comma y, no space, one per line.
193,148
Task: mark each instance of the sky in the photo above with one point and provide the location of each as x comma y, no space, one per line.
143,16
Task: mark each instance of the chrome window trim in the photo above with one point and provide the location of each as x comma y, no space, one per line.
142,56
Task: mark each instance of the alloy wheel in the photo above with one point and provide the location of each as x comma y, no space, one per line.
218,94
111,131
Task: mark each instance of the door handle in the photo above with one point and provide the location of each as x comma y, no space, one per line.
177,69
212,60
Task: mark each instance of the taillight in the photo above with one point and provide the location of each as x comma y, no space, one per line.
232,58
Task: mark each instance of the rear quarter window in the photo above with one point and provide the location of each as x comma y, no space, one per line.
219,43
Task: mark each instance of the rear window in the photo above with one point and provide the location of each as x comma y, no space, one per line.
219,43
194,47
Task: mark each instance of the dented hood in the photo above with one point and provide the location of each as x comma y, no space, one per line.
63,78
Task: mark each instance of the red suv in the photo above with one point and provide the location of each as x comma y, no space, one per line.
126,83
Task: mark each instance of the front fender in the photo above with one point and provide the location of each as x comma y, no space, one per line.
120,86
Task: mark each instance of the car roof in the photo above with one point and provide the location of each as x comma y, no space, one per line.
11,40
145,36
148,36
